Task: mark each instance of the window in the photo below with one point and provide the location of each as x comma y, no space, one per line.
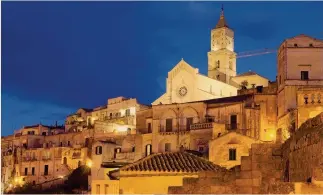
233,122
149,127
218,64
169,125
26,171
232,154
46,170
98,150
148,149
218,77
128,112
44,133
304,75
68,143
34,182
33,171
61,144
116,151
106,189
78,163
280,79
311,45
201,148
133,149
259,89
98,189
295,45
189,122
167,147
64,160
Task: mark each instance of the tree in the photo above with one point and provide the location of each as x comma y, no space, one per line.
244,84
78,179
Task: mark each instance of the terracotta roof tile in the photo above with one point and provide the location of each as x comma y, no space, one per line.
172,162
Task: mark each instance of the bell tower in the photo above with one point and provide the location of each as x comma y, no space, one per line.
222,58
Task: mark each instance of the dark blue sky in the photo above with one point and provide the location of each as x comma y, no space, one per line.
59,56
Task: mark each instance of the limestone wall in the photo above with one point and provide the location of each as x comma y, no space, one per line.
304,151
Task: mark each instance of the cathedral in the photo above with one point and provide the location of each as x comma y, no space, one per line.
186,84
222,125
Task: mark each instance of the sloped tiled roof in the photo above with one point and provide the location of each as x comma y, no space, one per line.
172,162
231,99
247,74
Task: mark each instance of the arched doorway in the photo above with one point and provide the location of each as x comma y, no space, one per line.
65,161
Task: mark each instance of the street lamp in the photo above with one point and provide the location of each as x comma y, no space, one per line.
89,163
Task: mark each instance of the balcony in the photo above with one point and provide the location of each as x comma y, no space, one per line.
128,120
201,126
125,156
45,158
144,131
182,129
76,155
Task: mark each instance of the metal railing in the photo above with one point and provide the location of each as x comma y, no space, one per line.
46,158
201,126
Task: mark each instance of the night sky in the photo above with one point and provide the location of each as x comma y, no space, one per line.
60,56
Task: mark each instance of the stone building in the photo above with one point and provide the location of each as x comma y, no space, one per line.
185,84
299,69
38,154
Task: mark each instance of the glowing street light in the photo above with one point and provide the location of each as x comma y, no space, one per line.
89,163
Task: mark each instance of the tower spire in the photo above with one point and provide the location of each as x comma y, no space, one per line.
222,23
222,11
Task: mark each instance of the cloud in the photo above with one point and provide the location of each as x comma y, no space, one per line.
17,112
